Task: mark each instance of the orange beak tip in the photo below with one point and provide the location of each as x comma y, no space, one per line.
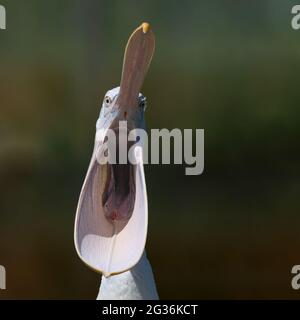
145,27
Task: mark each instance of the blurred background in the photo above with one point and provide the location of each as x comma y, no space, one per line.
230,67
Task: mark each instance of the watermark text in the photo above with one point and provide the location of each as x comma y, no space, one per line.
296,278
119,147
2,278
2,18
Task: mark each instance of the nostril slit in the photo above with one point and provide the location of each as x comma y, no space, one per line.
125,114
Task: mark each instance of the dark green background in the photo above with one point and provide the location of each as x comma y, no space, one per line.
230,67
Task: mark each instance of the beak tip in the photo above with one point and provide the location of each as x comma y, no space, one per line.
145,27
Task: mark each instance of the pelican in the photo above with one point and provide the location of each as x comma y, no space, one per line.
112,213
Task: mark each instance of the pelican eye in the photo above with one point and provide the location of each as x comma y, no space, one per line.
107,101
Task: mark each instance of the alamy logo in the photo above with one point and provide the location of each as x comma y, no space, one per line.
2,278
2,18
296,278
118,147
296,18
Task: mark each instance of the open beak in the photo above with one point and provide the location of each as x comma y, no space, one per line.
112,213
137,58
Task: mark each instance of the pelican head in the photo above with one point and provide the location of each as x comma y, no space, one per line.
118,197
112,213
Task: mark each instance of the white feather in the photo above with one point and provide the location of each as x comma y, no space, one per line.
135,284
